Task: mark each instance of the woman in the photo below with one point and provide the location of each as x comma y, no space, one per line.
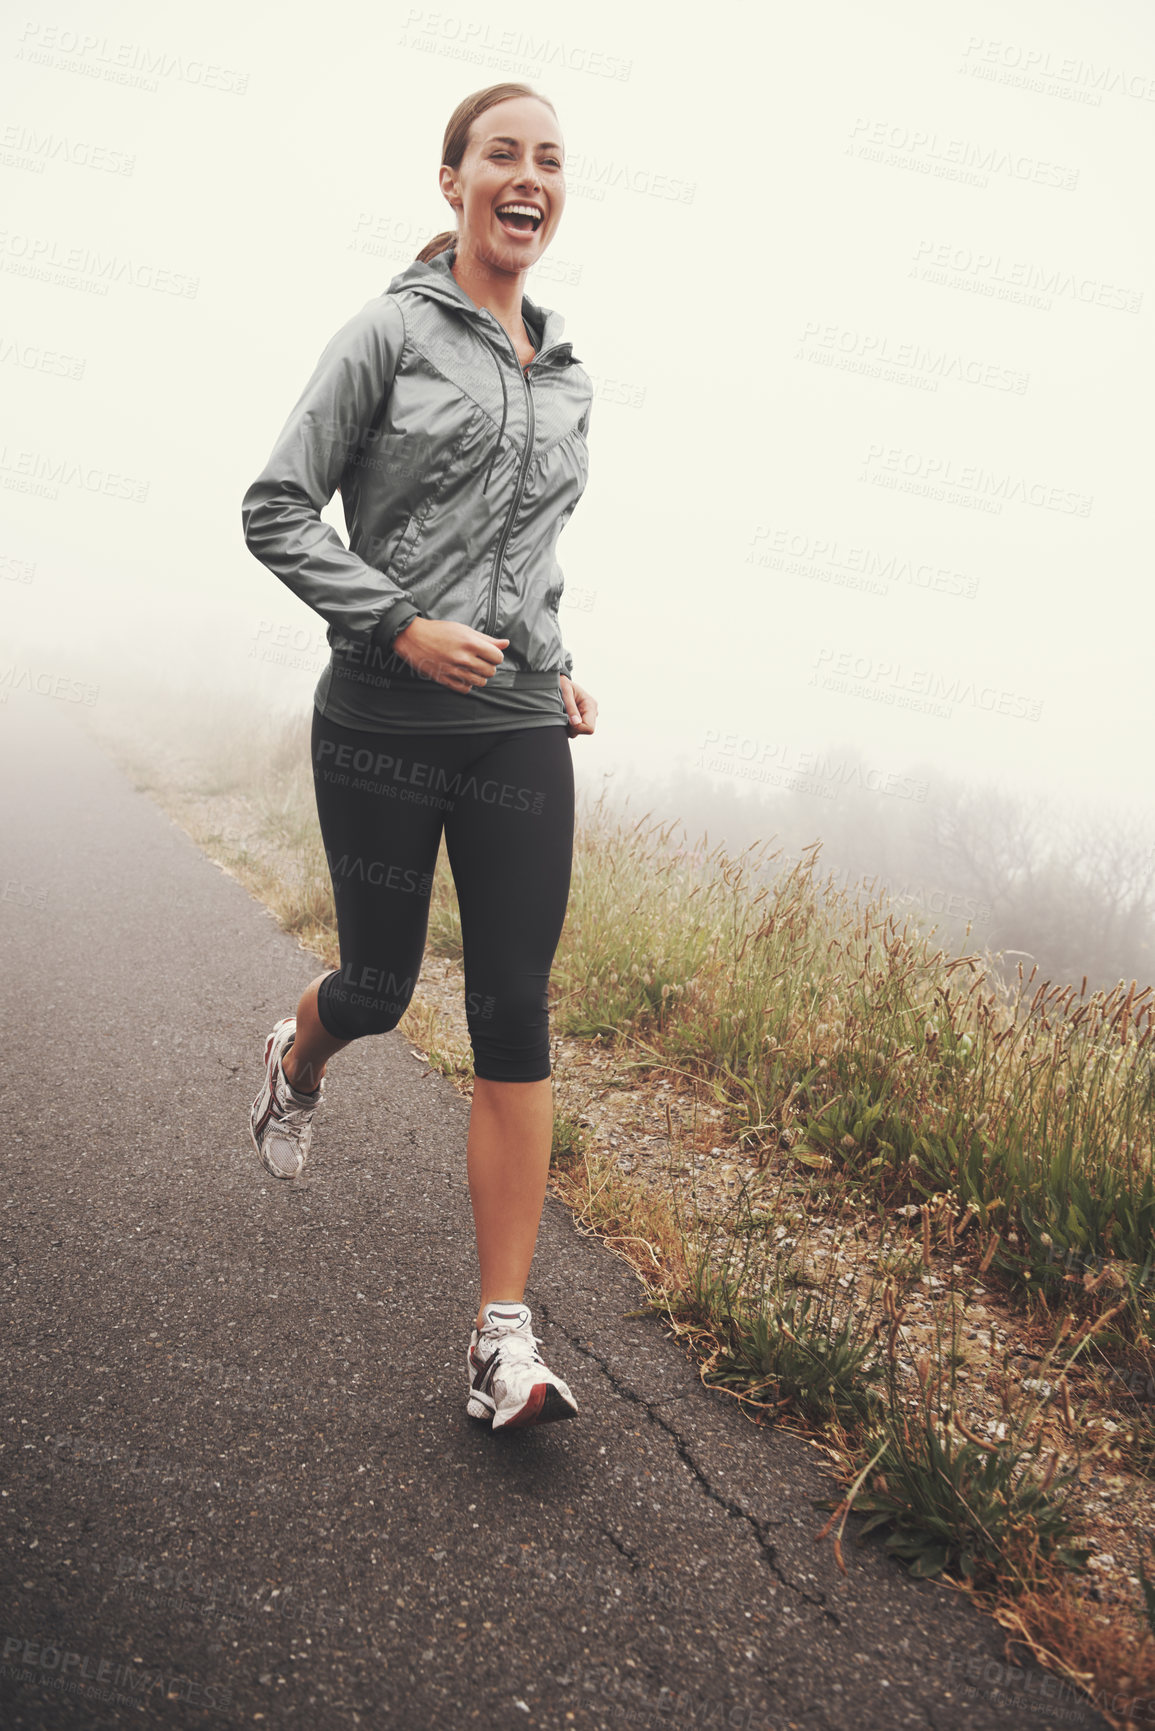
454,421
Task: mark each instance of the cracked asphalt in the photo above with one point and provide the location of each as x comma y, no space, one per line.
239,1481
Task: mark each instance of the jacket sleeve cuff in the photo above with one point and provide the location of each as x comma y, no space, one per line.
394,619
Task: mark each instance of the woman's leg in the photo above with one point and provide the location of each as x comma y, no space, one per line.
507,1159
381,835
510,844
304,1062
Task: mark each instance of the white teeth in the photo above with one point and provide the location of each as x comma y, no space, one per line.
519,210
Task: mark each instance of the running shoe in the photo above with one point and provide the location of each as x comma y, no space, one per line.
509,1382
281,1120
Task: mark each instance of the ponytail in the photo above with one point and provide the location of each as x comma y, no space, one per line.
447,237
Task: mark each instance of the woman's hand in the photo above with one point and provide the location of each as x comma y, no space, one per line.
449,652
579,706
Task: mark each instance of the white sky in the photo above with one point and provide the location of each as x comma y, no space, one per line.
816,143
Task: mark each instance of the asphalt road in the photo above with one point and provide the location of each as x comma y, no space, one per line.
239,1481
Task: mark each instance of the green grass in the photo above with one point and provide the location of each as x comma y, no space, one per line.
828,1026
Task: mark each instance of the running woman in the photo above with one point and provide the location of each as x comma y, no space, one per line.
453,420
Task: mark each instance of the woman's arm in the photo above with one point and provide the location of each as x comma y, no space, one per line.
281,511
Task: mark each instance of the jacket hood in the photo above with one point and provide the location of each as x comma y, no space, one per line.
435,279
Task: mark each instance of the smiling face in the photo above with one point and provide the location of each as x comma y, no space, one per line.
513,164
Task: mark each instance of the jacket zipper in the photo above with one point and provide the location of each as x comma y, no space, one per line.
495,578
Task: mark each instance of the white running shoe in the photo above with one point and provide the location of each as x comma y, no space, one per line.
509,1382
281,1120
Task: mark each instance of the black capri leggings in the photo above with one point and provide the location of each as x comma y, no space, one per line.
506,801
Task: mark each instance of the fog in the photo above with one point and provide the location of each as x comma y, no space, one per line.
866,296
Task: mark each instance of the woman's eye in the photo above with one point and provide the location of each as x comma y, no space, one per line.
507,156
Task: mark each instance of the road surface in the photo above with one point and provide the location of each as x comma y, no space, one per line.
239,1481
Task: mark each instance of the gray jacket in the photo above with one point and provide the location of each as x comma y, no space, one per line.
457,473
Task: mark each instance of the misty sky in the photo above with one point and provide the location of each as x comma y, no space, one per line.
866,294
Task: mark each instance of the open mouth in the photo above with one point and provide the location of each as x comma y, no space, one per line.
519,218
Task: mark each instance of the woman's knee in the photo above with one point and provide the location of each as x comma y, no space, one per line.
502,1063
509,1033
355,1002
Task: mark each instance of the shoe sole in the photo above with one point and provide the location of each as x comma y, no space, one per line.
545,1404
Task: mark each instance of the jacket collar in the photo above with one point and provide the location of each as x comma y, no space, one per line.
434,279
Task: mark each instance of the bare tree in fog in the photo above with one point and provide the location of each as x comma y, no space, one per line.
991,841
1076,894
1115,860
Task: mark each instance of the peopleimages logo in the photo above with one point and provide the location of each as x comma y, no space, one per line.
133,63
286,645
941,477
382,768
42,256
33,358
830,560
45,684
589,177
924,689
25,147
801,771
470,39
382,874
950,904
28,895
879,356
60,1668
40,473
1024,282
1067,75
952,158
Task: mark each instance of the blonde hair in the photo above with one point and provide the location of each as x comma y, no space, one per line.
456,142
